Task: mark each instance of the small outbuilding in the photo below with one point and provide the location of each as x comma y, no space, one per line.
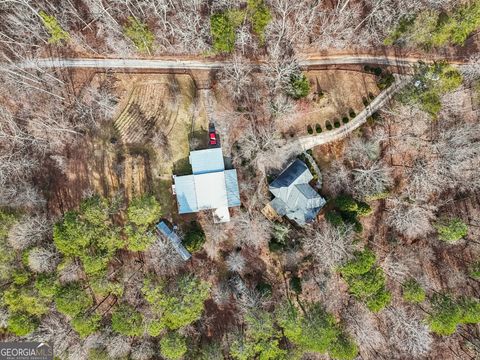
294,197
174,239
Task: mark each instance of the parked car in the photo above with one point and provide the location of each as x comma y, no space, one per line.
212,135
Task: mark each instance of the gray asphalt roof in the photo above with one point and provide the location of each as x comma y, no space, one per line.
294,197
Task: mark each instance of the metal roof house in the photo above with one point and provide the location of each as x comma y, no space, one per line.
294,197
164,230
210,187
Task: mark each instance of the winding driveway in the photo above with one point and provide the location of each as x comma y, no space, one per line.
308,142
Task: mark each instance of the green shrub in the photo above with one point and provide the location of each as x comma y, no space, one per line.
85,324
366,282
430,83
315,331
343,348
363,209
260,340
95,262
98,354
24,300
336,124
345,203
139,33
194,238
334,218
144,210
309,129
328,125
365,101
318,128
371,96
361,264
7,219
451,230
21,324
299,86
222,29
56,32
475,270
127,321
264,288
448,313
260,17
20,277
431,28
180,305
71,235
352,113
103,287
280,232
385,81
345,120
413,292
296,284
72,300
139,238
377,71
173,346
47,285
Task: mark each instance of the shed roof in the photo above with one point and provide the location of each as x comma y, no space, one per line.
174,240
186,194
206,161
231,182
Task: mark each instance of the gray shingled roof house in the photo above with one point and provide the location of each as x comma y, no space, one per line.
294,197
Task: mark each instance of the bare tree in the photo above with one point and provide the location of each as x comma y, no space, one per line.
408,333
411,219
371,180
471,70
221,294
143,350
330,245
55,328
163,258
361,324
41,260
237,78
118,346
235,262
337,178
251,230
30,230
70,271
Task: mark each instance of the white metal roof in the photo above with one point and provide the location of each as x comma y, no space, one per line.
186,194
206,161
211,190
221,215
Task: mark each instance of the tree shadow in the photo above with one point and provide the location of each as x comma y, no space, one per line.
182,167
